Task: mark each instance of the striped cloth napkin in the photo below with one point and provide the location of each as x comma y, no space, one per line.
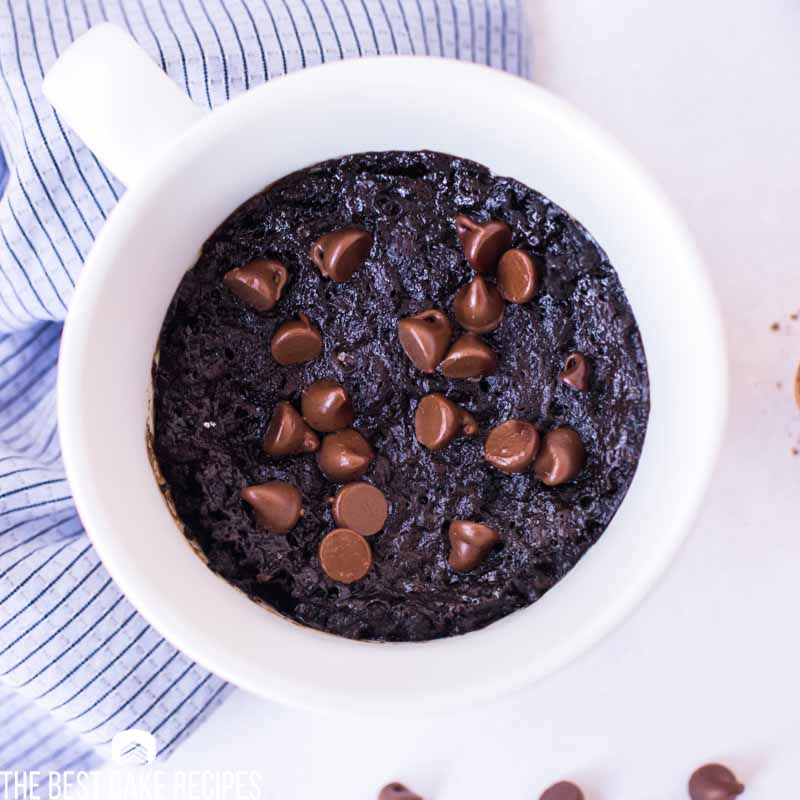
77,663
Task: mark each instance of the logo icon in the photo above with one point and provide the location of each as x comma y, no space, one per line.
134,747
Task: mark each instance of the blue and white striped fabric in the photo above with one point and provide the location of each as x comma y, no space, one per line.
77,663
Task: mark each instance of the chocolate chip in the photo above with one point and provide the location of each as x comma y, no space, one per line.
563,790
575,372
396,791
344,456
425,337
470,543
326,406
360,507
516,276
259,283
512,446
296,341
438,421
714,782
483,242
478,307
340,253
344,555
278,505
561,457
287,434
469,357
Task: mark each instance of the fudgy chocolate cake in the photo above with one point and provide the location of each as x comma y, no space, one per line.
398,397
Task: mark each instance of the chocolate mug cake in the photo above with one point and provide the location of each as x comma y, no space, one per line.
398,397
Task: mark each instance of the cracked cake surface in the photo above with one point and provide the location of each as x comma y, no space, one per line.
216,387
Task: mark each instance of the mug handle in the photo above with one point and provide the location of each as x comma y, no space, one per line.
111,93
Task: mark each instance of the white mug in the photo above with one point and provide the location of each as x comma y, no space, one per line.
187,169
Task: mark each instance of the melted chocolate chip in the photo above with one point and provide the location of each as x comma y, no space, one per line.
563,790
340,253
424,338
296,342
478,307
470,543
575,372
344,456
278,505
259,283
326,406
516,276
344,555
360,507
561,457
396,791
511,446
438,421
469,357
714,782
287,433
483,242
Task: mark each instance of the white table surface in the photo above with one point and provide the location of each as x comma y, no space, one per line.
708,668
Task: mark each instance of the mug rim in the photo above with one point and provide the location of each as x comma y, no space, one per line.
85,295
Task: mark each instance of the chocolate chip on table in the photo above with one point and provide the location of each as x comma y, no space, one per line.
438,421
563,790
296,342
561,457
287,433
469,357
483,242
396,791
575,372
714,782
425,337
511,446
478,307
470,543
797,387
344,456
361,507
516,276
278,505
326,406
259,283
340,253
345,555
